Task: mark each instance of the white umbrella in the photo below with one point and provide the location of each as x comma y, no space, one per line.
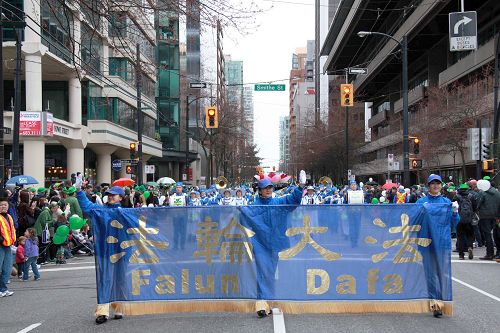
165,181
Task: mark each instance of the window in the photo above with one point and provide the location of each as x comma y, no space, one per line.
57,25
91,51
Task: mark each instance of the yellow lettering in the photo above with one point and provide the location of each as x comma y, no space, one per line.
347,285
185,281
137,281
394,284
311,281
372,280
209,289
166,284
225,283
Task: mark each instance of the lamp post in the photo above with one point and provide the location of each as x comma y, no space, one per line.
406,138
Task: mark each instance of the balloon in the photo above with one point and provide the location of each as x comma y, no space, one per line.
146,194
58,239
483,185
63,231
76,222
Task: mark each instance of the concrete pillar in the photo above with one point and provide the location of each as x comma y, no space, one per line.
34,159
75,159
32,32
75,101
104,163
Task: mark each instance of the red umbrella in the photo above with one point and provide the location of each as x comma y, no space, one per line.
124,182
388,186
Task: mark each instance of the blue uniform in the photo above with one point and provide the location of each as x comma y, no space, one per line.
455,218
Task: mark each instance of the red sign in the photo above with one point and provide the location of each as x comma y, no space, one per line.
30,123
50,124
190,174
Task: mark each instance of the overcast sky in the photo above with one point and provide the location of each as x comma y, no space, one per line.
267,56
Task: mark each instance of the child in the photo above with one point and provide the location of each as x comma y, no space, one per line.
20,256
31,254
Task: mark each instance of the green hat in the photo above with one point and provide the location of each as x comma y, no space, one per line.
487,178
32,189
451,188
375,201
463,187
41,190
70,190
140,188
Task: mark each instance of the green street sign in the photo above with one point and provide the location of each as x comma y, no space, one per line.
269,87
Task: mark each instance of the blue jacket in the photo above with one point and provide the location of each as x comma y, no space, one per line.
31,248
455,218
293,198
87,206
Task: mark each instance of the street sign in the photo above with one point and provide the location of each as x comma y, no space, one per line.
149,169
129,162
356,70
390,162
197,85
116,165
416,164
270,87
184,177
6,130
463,31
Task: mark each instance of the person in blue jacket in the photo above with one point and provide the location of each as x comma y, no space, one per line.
115,195
269,225
434,183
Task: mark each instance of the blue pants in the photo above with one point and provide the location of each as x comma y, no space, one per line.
30,262
5,266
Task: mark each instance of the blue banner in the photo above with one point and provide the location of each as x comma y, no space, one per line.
282,253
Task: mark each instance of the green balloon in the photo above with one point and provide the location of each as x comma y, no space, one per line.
146,194
58,239
63,231
76,222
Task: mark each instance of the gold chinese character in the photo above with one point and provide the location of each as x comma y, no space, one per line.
143,245
234,246
406,242
207,239
307,230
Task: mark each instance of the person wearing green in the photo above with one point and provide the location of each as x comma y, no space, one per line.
71,200
43,221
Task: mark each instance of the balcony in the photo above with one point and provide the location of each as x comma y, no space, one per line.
415,95
377,119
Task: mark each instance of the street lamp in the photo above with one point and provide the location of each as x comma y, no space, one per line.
406,138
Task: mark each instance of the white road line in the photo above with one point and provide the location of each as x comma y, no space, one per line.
476,289
29,328
474,262
66,269
278,321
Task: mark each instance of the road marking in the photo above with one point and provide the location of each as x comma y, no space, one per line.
474,262
476,289
278,321
66,269
29,328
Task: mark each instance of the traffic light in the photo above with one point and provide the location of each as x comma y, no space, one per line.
129,169
132,149
488,165
486,151
416,146
346,95
211,117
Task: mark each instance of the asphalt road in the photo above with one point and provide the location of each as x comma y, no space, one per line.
64,301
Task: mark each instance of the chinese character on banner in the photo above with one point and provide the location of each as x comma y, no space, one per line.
143,254
207,240
307,231
408,244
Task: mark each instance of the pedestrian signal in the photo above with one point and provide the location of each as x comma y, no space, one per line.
346,95
129,169
211,117
416,146
132,148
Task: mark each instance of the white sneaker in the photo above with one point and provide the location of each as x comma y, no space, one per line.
8,293
80,252
38,266
2,294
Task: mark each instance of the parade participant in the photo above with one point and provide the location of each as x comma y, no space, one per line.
193,199
115,195
227,200
72,202
7,238
277,223
203,197
310,198
239,200
178,199
465,232
334,199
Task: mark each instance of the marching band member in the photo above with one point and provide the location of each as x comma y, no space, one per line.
193,199
239,200
310,198
227,200
178,199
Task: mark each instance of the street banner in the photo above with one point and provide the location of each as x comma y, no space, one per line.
302,259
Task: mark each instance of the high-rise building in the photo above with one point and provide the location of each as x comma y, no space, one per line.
284,143
79,89
248,113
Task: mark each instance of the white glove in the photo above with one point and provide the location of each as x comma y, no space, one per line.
302,177
78,182
454,207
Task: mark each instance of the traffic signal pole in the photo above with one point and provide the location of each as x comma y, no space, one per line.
347,133
140,116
